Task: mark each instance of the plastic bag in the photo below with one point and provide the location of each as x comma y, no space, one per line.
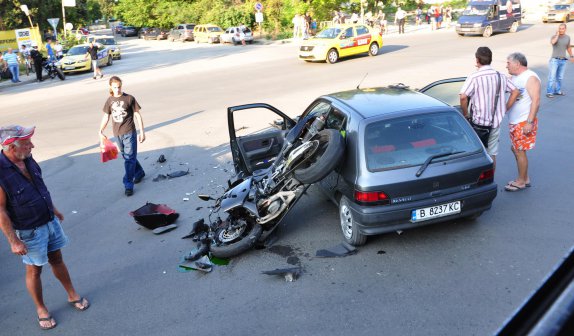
110,151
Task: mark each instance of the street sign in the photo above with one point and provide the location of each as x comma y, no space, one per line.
69,3
258,6
258,17
54,22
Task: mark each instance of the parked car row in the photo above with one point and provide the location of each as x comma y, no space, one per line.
208,33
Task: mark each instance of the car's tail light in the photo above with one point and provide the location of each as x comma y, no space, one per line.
371,197
486,177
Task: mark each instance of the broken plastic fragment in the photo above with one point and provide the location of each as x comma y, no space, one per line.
342,250
178,173
290,274
186,198
74,212
159,177
161,159
164,229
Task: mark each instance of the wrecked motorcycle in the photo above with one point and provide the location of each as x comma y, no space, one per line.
257,203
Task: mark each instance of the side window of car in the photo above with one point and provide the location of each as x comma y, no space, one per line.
318,108
180,27
349,33
336,120
362,30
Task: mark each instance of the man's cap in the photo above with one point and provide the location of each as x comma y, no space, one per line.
9,134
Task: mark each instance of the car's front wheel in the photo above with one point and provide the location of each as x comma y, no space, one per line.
374,49
514,27
110,60
332,56
487,31
349,224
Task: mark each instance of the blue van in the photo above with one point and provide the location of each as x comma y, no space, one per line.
484,17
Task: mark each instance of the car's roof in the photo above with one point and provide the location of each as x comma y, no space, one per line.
346,25
370,102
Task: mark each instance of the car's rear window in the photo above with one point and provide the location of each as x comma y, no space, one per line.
214,29
189,26
409,141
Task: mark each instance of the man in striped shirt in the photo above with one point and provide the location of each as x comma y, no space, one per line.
480,90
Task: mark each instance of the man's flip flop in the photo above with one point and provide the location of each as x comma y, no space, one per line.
47,319
82,302
513,187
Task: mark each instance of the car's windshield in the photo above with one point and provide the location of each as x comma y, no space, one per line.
214,29
561,7
410,141
107,41
78,51
476,10
329,33
189,27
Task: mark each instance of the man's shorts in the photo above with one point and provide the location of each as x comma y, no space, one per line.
521,141
41,240
493,141
94,65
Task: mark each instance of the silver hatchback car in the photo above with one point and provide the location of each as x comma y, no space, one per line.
411,159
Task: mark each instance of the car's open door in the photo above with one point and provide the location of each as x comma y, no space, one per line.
256,135
446,90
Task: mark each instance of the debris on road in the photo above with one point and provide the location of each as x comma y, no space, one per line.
202,264
161,159
152,216
290,274
164,229
342,250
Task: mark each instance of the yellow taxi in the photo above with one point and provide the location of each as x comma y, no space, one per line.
110,42
339,41
78,59
207,33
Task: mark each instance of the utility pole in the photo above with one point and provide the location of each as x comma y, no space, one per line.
64,18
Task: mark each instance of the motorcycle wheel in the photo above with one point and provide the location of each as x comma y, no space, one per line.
325,158
229,242
60,74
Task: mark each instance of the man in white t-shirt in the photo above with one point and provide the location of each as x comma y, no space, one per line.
522,116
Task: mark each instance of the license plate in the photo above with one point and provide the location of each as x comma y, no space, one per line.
436,211
465,29
69,68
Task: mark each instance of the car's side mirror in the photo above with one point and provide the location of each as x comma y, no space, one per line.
342,37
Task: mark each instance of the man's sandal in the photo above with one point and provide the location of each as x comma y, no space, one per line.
47,319
80,304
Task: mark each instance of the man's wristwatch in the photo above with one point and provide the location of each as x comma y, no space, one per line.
529,121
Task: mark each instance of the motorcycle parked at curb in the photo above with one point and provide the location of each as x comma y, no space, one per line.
52,69
257,203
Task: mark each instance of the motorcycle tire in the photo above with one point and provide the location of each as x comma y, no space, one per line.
60,74
324,160
241,242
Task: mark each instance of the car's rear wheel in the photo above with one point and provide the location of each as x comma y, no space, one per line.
487,31
374,49
349,224
332,56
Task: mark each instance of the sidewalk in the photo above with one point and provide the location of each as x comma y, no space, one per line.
23,78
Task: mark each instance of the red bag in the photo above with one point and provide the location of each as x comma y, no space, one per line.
110,151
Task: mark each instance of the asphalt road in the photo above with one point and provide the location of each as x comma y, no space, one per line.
457,278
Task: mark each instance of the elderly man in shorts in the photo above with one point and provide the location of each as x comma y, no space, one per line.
479,89
30,221
522,117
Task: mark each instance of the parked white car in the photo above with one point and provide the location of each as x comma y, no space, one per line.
232,35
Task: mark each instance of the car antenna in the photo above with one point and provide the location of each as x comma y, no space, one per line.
361,82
